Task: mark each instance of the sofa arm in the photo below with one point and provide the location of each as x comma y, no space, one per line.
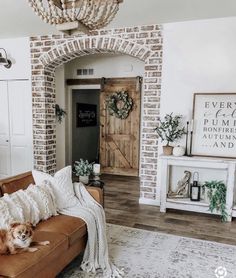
96,193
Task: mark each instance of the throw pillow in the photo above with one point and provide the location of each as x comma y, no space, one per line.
32,205
61,184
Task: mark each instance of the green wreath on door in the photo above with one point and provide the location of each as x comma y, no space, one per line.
126,107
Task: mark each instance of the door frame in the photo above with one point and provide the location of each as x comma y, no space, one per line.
88,83
68,125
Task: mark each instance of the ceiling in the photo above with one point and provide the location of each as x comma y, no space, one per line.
17,19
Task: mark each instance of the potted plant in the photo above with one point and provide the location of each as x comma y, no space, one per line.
215,191
170,130
83,169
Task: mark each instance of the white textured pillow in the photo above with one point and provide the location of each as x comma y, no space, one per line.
33,204
61,184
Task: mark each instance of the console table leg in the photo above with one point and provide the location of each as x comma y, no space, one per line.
162,209
163,185
229,218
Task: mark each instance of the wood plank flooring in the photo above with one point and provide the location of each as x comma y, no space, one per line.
121,195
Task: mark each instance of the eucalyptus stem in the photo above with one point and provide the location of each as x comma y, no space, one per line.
170,129
217,196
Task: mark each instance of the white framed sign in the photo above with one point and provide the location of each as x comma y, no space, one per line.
214,125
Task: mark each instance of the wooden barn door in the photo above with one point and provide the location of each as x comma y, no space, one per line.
119,138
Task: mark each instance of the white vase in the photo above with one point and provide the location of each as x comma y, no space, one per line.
178,151
84,179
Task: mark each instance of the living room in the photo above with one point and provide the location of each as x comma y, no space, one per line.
144,106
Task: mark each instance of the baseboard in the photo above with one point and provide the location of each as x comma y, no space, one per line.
145,201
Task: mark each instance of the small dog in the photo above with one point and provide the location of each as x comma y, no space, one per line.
18,239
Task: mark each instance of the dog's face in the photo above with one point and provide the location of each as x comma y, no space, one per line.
21,234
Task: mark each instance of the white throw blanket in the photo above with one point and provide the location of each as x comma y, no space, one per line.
96,252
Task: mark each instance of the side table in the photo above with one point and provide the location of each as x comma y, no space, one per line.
97,183
93,183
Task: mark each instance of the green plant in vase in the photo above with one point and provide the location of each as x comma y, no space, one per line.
170,130
83,169
216,193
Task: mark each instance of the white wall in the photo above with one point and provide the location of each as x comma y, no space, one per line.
106,65
18,51
199,56
60,127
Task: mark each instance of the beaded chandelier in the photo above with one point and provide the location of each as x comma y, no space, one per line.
73,16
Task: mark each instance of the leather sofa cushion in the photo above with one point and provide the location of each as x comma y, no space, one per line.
72,227
12,184
27,265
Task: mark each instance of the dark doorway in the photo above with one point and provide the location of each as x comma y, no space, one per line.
85,124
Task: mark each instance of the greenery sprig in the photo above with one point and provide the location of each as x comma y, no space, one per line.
217,196
60,113
170,129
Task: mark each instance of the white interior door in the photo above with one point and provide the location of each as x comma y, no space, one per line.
5,165
20,118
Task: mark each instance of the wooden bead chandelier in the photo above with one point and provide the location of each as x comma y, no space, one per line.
73,16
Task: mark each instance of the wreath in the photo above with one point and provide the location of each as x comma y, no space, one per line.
113,102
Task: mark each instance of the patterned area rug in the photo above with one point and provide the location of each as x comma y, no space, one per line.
145,254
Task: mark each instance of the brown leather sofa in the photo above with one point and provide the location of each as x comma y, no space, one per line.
67,236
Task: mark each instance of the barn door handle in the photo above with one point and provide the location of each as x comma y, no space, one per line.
102,131
7,141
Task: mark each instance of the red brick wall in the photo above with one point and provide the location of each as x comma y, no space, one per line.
48,52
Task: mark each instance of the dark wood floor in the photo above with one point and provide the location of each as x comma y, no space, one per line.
122,208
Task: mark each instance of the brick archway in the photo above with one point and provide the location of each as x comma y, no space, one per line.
93,45
50,52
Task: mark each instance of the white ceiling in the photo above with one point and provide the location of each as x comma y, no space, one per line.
18,19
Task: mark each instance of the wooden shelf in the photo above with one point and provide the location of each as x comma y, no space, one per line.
187,201
198,158
188,205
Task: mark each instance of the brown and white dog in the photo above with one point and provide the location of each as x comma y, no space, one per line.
18,239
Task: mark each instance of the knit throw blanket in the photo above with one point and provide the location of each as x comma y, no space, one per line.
96,251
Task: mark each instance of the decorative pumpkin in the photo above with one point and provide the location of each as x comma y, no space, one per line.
178,151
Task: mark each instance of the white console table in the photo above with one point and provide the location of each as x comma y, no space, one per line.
172,169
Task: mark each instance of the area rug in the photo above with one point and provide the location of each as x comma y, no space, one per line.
145,254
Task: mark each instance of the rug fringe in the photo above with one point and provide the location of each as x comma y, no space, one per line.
110,272
113,272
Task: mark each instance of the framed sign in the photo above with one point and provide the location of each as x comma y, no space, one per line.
86,115
214,125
